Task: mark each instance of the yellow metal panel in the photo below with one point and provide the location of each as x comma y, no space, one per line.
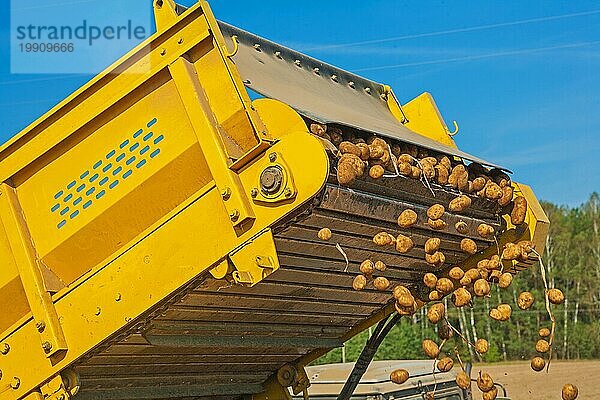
425,118
161,259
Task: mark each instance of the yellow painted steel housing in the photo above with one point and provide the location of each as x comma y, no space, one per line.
158,234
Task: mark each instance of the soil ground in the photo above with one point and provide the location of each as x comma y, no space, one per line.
521,382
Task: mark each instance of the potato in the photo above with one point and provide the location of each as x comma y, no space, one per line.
461,297
430,348
390,166
544,332
436,258
465,281
537,363
485,230
494,276
441,173
350,148
569,392
478,184
495,314
432,245
367,267
377,141
507,195
485,383
493,191
406,158
456,273
437,224
505,311
430,280
360,282
494,262
403,296
429,160
380,266
324,234
556,296
511,251
436,211
445,364
525,300
473,273
445,161
376,152
428,171
376,171
542,346
399,376
364,151
468,246
405,168
415,172
404,244
358,164
483,264
407,218
484,273
346,173
519,211
434,295
461,227
381,283
491,394
505,280
436,312
460,203
481,288
482,346
318,129
463,380
383,239
444,285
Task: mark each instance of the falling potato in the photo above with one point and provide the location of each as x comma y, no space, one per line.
482,346
399,376
360,282
445,364
537,363
556,296
485,383
461,297
525,300
456,273
490,394
436,312
403,296
505,311
519,211
511,251
570,392
444,285
542,346
463,380
430,348
544,332
481,288
445,331
495,314
505,280
324,234
407,218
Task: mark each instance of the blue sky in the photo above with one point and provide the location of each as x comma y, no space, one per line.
519,77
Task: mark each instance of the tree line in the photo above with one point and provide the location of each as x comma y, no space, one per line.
572,258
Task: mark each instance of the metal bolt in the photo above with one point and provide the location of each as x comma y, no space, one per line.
288,193
234,215
47,346
118,297
180,41
15,383
368,90
351,84
98,310
272,157
298,63
254,192
5,348
61,397
40,326
225,193
163,52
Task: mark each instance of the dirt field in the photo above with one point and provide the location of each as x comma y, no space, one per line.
523,383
